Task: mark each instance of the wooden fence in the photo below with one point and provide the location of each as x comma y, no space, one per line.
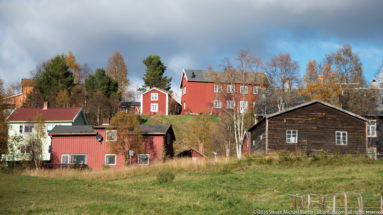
347,203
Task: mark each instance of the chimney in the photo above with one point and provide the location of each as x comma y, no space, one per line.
201,148
45,106
373,84
230,67
105,122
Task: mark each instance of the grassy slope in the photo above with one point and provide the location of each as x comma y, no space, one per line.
181,126
216,189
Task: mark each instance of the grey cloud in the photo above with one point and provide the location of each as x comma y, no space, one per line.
200,31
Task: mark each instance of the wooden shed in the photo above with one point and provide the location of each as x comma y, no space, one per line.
310,128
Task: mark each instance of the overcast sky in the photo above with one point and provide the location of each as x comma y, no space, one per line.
185,34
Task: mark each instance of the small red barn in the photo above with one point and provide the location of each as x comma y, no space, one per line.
192,153
90,145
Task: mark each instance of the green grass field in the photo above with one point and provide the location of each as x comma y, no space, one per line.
225,187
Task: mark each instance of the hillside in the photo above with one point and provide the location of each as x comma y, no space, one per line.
224,187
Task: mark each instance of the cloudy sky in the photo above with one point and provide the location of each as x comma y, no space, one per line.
185,34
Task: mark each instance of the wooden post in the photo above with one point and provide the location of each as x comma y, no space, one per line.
333,204
360,204
295,201
323,201
303,202
308,201
381,203
345,204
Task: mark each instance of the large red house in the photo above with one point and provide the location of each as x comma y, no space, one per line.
202,90
90,145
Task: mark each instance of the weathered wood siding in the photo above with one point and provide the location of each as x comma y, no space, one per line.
258,138
316,125
378,140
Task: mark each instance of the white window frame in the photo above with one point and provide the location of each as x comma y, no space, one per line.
217,88
230,88
230,104
111,131
243,106
372,128
217,104
290,136
184,105
86,158
255,89
154,107
184,91
21,129
153,96
244,89
65,155
115,159
139,159
342,135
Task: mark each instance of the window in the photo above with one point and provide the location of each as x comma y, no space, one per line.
291,136
21,129
154,96
184,91
25,149
217,88
184,105
255,89
111,135
144,159
341,137
243,90
154,107
230,104
217,104
230,89
110,159
78,159
28,128
372,128
65,159
243,106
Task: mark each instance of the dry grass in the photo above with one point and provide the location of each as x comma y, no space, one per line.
175,165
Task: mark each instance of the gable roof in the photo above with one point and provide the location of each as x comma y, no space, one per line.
154,88
72,130
308,104
192,149
157,129
214,76
50,114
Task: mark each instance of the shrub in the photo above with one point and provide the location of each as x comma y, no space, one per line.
165,177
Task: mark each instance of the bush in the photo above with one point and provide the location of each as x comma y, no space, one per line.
165,177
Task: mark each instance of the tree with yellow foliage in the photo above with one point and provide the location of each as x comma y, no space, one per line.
129,135
117,70
323,86
74,67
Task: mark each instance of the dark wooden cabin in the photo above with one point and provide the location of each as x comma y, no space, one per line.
310,128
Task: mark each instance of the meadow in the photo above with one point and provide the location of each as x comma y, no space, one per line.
204,187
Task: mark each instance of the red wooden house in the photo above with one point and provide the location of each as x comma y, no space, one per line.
90,145
201,90
158,102
193,153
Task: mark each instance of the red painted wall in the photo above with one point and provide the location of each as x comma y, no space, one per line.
146,101
95,151
246,146
199,96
